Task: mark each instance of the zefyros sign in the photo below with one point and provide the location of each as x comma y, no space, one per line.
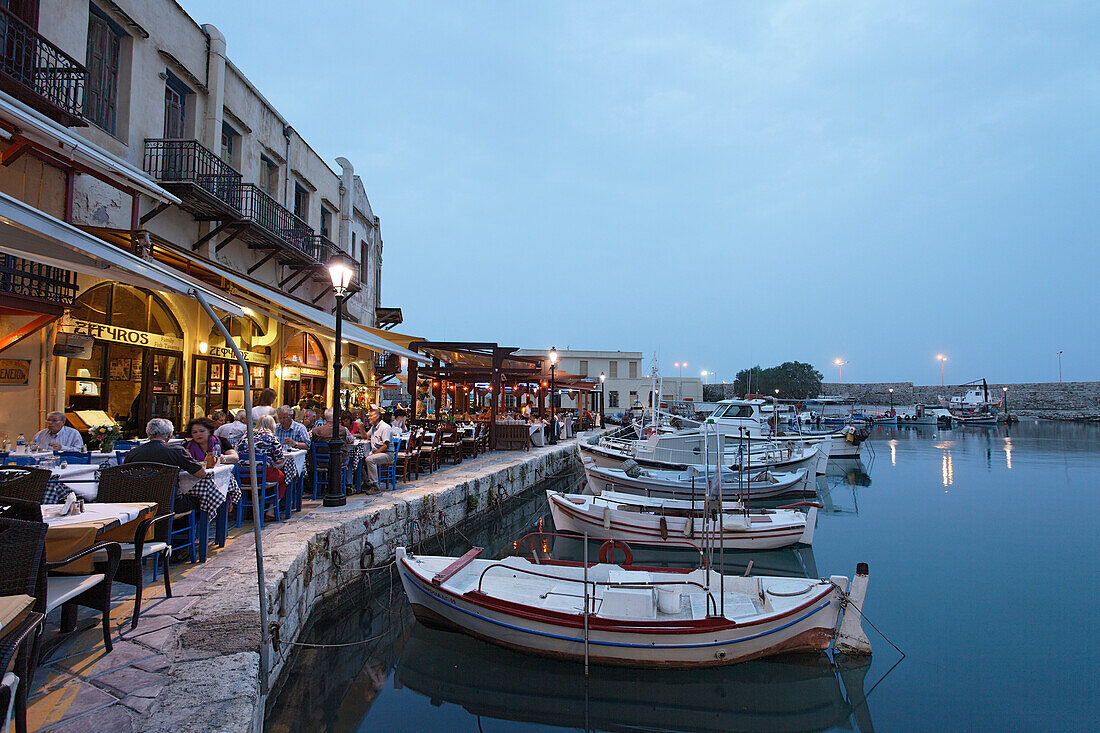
121,335
15,371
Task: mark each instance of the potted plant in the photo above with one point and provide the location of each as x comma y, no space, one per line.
106,435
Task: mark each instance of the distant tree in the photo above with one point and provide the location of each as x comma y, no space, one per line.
793,379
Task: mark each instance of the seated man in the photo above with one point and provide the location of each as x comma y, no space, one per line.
157,450
322,430
58,435
381,453
289,431
233,431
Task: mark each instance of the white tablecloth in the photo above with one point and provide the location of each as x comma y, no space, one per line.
124,513
299,459
537,435
78,477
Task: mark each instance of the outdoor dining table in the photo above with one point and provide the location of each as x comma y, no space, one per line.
537,434
214,493
68,535
81,478
12,611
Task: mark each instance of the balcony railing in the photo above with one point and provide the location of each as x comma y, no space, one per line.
386,364
275,221
211,187
39,73
323,248
35,281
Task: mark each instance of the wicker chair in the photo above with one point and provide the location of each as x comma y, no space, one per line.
142,482
24,482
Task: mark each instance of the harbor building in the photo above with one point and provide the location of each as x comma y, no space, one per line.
138,163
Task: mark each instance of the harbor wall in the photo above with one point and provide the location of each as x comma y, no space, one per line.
1053,400
214,658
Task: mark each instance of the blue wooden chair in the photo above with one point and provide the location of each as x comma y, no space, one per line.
24,459
127,444
74,456
120,455
269,491
387,474
319,454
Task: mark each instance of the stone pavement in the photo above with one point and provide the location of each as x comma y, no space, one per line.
192,664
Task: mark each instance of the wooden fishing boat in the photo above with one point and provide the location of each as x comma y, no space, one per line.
691,484
612,453
678,522
634,616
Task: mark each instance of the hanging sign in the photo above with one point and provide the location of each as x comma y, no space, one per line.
313,372
121,335
252,357
15,371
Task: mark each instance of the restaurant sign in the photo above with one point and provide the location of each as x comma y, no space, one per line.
121,335
313,372
15,371
252,357
291,374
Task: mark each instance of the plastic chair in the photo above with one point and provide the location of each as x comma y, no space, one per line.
269,491
387,474
74,456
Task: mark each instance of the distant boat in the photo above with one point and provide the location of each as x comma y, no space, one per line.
973,408
691,484
678,523
631,616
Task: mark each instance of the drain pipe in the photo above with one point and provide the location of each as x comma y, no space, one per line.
265,653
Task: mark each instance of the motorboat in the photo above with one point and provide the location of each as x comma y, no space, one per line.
923,415
635,616
612,453
691,484
779,695
680,523
973,408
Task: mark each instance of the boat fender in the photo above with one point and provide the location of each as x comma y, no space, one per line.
607,517
607,552
664,529
689,527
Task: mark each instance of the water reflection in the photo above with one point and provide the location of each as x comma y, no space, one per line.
1008,452
948,469
796,693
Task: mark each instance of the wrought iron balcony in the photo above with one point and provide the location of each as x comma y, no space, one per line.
209,188
324,248
39,74
36,283
271,226
386,365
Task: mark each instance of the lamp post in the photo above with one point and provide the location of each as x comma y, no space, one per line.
840,369
891,391
680,381
1059,367
705,374
553,419
942,359
602,378
341,269
1005,390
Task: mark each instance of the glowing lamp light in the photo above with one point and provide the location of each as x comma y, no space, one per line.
553,355
203,346
341,270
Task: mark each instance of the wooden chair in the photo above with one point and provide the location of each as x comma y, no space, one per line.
469,444
268,491
143,482
481,436
451,446
429,454
408,459
24,482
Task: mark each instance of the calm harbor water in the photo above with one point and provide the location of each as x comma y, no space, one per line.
981,543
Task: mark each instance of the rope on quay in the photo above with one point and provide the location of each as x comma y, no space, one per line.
847,599
333,646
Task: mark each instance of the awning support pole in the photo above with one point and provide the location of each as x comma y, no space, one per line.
257,503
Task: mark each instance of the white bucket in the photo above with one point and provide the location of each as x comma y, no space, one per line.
668,598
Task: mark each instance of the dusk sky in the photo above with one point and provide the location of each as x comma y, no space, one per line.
727,183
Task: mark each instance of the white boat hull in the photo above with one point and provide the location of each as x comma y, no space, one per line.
674,485
503,603
761,531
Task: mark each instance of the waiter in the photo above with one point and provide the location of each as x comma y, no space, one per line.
58,435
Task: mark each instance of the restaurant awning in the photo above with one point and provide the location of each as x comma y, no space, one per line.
295,311
58,142
36,236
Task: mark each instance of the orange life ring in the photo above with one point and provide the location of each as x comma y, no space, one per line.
607,552
650,431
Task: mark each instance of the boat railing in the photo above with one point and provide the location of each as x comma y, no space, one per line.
681,543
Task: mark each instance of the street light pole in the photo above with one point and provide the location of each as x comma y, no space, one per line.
1059,367
602,378
1005,390
680,380
341,270
553,419
942,359
840,369
891,391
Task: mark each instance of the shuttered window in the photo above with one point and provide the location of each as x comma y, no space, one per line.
104,46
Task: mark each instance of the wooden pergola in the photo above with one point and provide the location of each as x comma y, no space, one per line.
458,366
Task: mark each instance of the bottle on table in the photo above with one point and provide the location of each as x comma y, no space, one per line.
21,444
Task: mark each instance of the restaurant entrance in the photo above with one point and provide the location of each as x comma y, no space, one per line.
304,370
134,372
217,378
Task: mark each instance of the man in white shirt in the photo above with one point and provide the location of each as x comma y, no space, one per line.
381,451
233,431
58,435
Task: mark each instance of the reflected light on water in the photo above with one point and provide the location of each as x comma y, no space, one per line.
1008,453
893,452
948,469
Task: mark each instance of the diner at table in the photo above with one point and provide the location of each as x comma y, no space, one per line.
234,431
381,449
270,447
57,435
292,433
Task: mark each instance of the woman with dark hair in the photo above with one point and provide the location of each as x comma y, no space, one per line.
203,442
264,403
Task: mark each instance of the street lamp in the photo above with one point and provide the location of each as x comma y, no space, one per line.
891,391
840,369
1005,390
942,359
553,421
680,381
341,270
602,378
704,374
1059,367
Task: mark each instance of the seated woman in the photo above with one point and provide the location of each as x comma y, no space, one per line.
270,447
203,442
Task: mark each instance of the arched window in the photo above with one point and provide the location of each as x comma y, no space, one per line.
305,372
353,374
304,350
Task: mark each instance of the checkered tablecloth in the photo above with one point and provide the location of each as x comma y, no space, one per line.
355,454
212,490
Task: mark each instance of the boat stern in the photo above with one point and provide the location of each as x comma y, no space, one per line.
850,638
